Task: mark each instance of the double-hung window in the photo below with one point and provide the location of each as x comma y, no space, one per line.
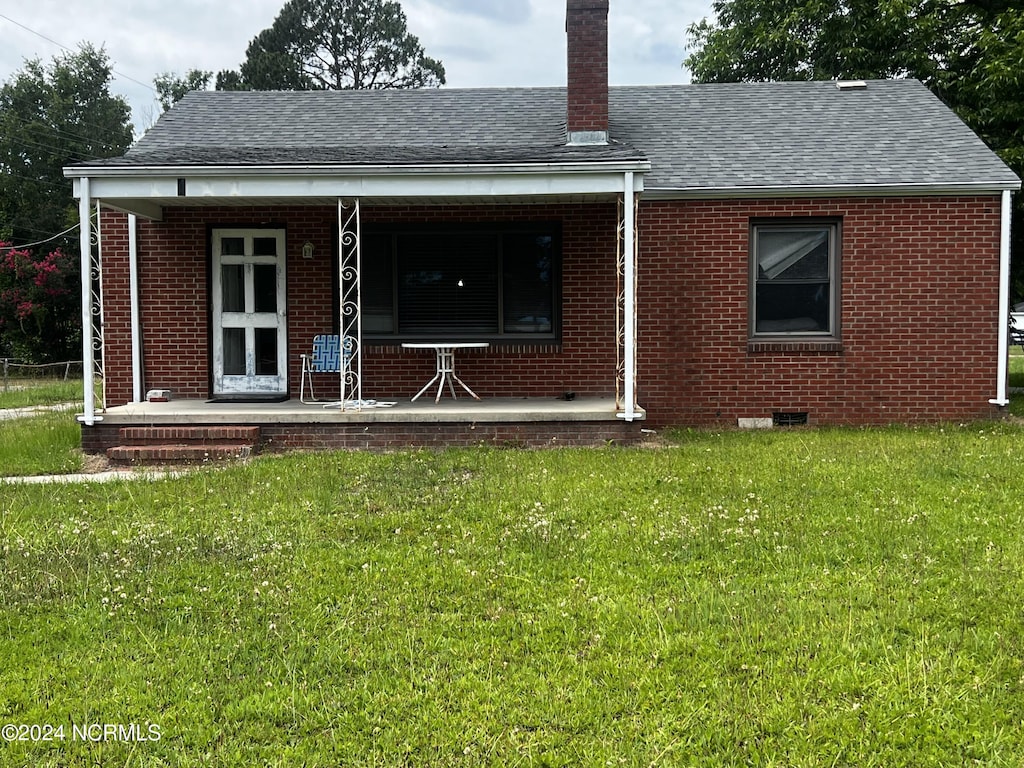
794,279
479,282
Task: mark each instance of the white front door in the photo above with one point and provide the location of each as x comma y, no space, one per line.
249,327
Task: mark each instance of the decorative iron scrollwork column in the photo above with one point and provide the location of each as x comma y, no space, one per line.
96,305
621,307
351,320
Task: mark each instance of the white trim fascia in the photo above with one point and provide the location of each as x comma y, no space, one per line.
312,169
829,190
552,181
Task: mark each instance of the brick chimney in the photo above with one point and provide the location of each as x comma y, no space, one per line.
586,27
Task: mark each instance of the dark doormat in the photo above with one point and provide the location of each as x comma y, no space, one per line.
251,399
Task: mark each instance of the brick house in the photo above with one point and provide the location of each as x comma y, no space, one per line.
633,257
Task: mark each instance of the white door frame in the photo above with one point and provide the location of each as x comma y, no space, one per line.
249,320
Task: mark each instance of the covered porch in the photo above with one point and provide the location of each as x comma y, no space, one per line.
593,339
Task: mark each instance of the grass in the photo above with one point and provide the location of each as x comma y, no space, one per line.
38,445
784,598
22,393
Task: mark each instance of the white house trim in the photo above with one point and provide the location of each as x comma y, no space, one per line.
147,192
1002,363
85,243
827,190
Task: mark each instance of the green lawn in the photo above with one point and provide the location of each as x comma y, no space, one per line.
21,393
779,598
44,444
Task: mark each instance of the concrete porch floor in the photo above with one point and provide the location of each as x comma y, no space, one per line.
424,410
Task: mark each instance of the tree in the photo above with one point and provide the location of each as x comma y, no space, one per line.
968,52
39,303
52,116
335,45
754,40
171,89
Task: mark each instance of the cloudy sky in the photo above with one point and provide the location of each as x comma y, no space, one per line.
481,43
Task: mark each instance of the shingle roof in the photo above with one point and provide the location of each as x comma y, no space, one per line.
735,135
714,136
392,127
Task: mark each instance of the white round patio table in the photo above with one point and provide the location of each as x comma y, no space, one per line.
445,351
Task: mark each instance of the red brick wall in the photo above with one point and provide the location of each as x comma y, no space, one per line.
919,283
586,26
175,304
918,310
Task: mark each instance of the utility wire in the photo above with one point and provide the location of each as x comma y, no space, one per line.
42,242
61,45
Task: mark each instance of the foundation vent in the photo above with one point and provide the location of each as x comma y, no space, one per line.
789,418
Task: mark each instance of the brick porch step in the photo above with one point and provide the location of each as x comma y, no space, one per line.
193,454
180,444
188,435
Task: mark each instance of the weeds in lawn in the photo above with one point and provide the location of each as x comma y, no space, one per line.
43,444
782,598
22,393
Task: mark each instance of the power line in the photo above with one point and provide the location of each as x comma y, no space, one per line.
40,242
54,150
61,45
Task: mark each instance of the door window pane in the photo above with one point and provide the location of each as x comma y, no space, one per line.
232,284
232,246
234,351
264,246
266,351
265,287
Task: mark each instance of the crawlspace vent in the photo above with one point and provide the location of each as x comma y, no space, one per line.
789,419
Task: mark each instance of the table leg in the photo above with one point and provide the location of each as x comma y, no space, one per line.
445,373
425,388
474,394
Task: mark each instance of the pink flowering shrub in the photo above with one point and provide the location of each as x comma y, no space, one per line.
39,305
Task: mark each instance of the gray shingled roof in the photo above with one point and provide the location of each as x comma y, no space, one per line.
724,136
392,127
716,136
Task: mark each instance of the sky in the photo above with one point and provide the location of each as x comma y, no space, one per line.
482,43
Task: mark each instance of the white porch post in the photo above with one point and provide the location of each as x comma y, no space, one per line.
629,300
133,283
85,244
1001,398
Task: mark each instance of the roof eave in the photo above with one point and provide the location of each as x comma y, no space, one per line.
148,190
832,190
180,170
